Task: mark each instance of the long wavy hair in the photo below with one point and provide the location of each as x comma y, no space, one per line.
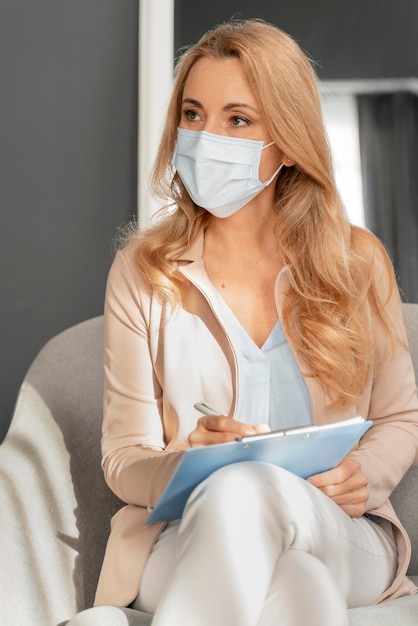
329,261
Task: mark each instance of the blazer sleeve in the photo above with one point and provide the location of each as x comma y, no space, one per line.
136,463
390,447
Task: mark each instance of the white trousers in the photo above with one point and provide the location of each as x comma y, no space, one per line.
258,546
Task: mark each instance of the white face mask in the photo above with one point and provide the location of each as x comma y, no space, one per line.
220,173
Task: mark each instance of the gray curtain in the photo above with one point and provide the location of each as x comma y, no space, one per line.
388,125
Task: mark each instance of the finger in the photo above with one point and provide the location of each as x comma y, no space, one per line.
340,474
354,502
220,423
215,429
356,496
354,510
353,483
209,437
261,428
325,479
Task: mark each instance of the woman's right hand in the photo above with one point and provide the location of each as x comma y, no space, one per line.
212,429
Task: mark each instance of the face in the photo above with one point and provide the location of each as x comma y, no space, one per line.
218,99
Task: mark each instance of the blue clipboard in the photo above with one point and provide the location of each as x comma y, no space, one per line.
304,451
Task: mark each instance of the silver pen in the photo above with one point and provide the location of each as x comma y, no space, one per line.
206,409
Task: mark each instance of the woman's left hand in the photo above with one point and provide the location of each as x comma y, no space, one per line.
346,485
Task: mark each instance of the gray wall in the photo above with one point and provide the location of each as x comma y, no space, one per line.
346,38
68,130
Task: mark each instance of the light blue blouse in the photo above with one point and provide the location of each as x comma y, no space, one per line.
271,387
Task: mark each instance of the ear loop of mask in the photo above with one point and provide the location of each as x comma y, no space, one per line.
267,183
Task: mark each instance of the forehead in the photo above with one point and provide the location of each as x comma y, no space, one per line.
222,78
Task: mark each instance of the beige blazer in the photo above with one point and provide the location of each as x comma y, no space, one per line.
157,366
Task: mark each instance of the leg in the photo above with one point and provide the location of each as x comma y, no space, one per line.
307,592
221,554
159,570
238,526
303,592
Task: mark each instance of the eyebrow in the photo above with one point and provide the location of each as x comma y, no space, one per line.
227,107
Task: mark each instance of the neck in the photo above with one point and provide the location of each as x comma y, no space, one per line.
246,233
253,221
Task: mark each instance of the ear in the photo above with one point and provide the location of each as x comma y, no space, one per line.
288,162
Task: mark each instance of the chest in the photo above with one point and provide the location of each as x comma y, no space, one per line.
249,293
177,345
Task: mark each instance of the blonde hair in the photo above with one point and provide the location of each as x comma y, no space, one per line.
329,267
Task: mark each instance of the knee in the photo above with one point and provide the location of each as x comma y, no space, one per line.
236,487
251,486
244,479
244,487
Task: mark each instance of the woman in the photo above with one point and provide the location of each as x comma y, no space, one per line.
255,294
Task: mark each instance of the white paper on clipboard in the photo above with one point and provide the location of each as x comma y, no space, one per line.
304,451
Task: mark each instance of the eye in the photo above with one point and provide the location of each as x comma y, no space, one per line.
191,115
239,121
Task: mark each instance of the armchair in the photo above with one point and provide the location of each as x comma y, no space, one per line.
56,508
